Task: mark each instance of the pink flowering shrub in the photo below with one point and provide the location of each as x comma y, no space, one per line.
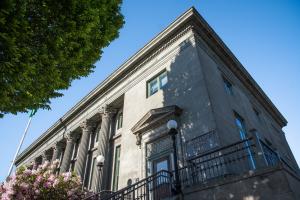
41,183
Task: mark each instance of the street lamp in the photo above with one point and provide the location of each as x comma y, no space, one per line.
172,127
99,163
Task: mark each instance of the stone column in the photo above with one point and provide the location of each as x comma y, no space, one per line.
56,151
44,157
68,153
103,147
83,148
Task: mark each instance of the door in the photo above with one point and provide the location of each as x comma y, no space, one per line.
162,182
161,164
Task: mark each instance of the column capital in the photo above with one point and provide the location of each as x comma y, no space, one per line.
70,137
57,145
87,125
107,110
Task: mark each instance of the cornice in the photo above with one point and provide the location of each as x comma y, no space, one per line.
190,20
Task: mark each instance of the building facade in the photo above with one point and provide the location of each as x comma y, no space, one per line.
229,142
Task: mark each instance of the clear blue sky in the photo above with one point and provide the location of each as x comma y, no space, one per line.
264,36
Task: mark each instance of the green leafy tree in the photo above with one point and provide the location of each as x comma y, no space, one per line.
45,44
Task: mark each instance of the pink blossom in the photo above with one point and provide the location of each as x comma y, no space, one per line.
47,185
39,179
24,185
37,192
34,172
21,187
5,196
67,176
51,178
27,172
56,182
45,165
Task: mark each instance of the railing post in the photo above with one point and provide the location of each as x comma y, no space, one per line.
122,195
147,190
260,158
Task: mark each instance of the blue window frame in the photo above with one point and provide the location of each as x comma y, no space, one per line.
157,83
239,121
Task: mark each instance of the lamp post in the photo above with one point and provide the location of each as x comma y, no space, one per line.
172,127
99,163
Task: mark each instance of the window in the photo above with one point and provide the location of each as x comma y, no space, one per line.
119,120
157,83
89,162
116,168
97,133
239,121
61,156
92,171
74,155
228,87
92,141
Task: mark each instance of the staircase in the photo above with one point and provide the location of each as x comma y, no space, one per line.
156,186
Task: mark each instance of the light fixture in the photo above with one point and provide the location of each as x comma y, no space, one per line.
172,124
100,160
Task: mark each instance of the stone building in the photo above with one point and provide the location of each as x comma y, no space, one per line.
229,141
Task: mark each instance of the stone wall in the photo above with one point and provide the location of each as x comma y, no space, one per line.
271,184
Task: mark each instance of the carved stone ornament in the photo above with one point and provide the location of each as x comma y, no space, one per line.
57,145
107,110
84,124
138,139
70,137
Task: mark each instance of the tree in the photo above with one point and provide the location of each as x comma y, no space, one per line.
45,44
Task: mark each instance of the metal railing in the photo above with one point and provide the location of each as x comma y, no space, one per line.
272,157
100,195
201,144
155,187
226,161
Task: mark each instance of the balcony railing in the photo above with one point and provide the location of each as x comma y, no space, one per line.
201,144
222,162
272,158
